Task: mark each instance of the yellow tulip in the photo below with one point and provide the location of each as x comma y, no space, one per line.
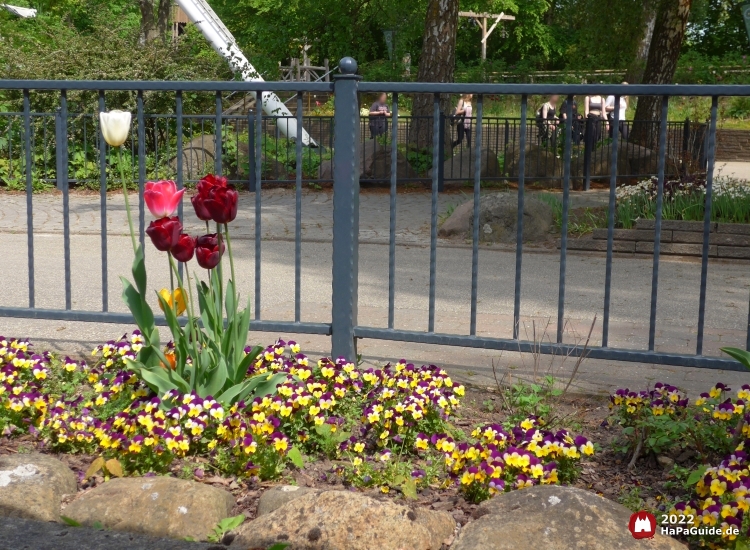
177,298
115,126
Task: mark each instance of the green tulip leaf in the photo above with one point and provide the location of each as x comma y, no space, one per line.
739,354
218,378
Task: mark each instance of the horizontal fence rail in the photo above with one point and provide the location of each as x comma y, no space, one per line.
65,148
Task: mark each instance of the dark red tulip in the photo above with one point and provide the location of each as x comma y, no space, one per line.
208,250
165,232
184,248
222,204
203,189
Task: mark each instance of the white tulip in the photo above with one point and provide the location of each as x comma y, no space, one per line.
115,126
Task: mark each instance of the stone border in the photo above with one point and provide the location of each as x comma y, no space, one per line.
678,238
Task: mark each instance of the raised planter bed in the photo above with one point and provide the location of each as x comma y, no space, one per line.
678,238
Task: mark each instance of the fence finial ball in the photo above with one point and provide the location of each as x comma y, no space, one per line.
348,65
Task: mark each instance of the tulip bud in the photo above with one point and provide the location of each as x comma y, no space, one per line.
115,126
184,248
208,250
165,233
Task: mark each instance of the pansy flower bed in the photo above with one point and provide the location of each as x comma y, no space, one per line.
717,428
389,427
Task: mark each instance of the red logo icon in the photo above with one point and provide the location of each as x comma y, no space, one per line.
642,525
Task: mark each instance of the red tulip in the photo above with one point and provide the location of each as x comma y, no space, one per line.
222,204
204,188
208,250
162,197
184,248
165,232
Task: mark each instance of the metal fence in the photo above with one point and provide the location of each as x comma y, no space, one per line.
501,137
347,150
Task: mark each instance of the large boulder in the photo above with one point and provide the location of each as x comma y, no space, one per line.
374,164
563,518
632,160
540,162
344,520
32,486
276,497
498,219
156,506
462,166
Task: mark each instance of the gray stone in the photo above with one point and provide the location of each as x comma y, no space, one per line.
32,486
462,166
499,211
563,518
674,225
157,506
375,163
665,462
540,162
498,218
458,222
26,534
276,497
632,160
344,520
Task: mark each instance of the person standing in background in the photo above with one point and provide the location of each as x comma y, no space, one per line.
463,116
609,106
379,113
594,110
577,120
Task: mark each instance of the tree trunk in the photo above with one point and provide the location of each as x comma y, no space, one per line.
669,32
154,21
162,18
436,64
635,71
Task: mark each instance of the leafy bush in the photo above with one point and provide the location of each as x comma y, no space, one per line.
684,199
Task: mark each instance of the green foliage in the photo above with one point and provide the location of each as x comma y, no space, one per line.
740,355
524,400
210,358
224,526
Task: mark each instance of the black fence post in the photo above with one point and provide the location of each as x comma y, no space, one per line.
61,146
346,145
505,145
588,145
441,156
253,181
685,144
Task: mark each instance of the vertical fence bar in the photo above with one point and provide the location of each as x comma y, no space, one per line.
475,232
29,194
298,216
346,140
62,181
141,171
217,139
564,228
610,220
434,205
180,159
588,145
441,158
707,221
251,183
258,166
519,222
103,207
661,169
392,233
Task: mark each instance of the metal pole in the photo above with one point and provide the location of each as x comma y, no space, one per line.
346,144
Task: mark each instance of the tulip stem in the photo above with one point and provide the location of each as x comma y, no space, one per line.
189,307
173,298
127,201
231,258
220,274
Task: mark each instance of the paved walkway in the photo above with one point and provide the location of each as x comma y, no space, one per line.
726,321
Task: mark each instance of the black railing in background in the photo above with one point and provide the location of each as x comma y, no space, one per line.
590,160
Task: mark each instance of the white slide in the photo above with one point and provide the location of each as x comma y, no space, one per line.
201,14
